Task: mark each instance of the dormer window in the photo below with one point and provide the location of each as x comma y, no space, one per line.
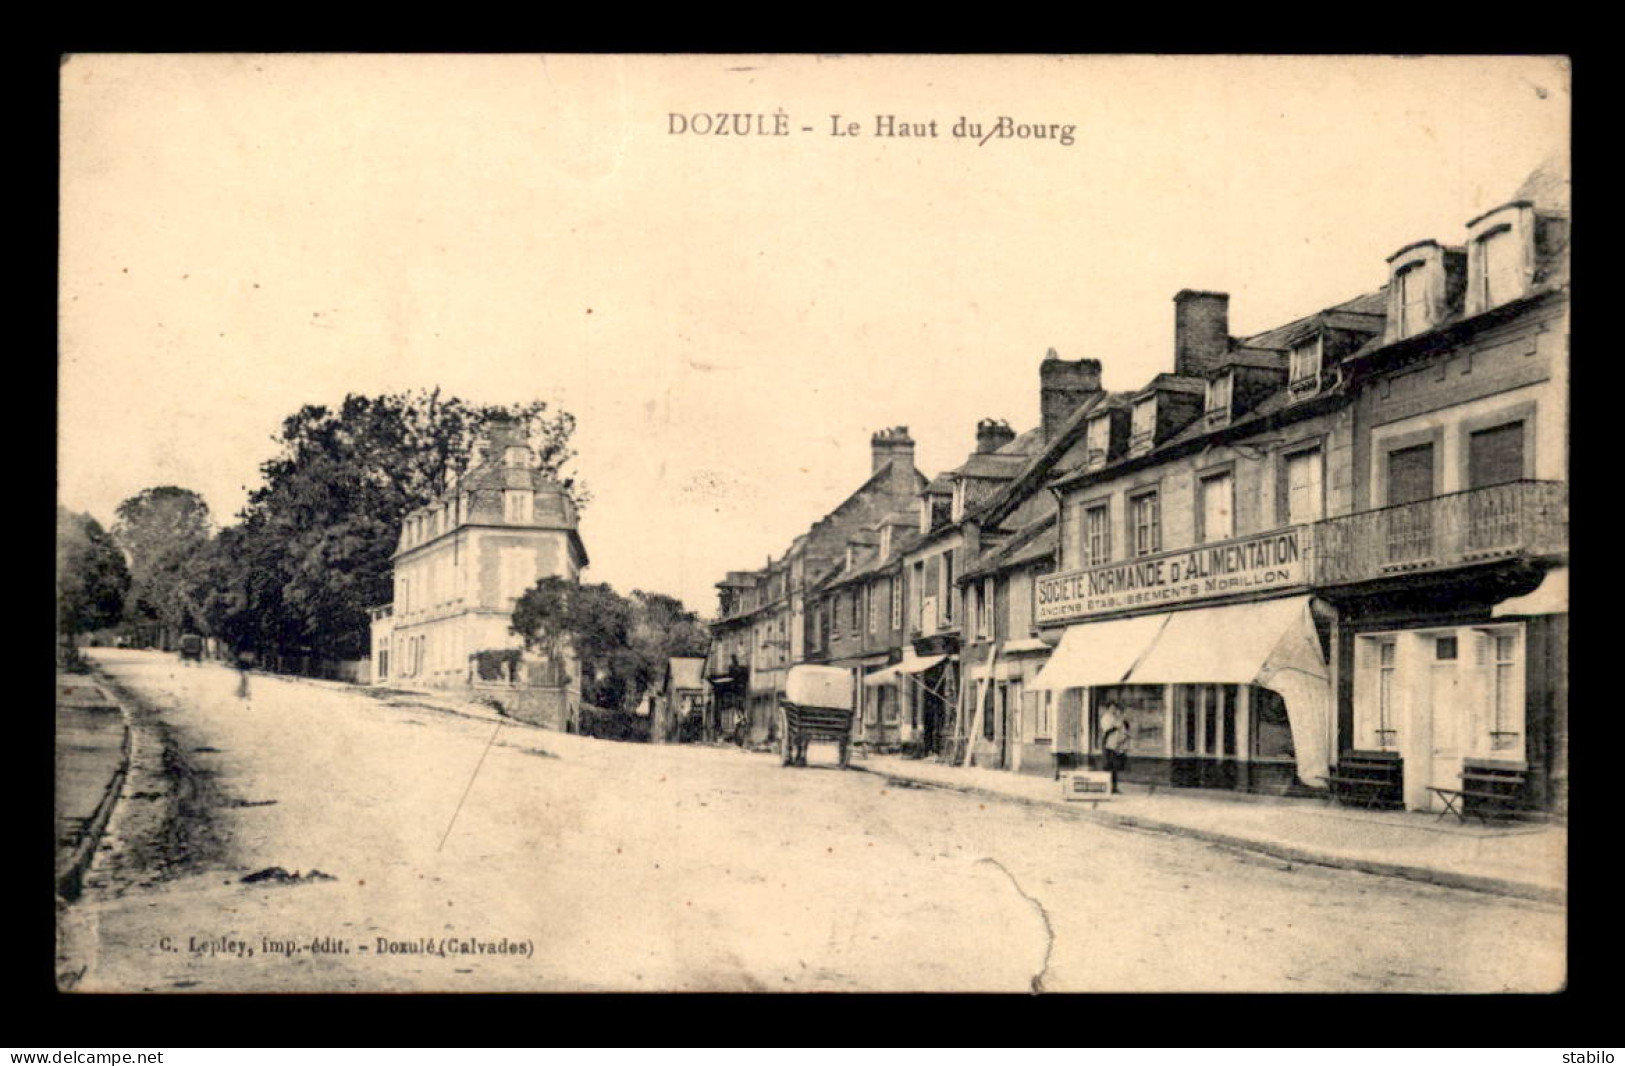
1143,428
959,500
1426,284
516,506
1500,256
1412,299
1098,441
516,455
1219,392
1303,375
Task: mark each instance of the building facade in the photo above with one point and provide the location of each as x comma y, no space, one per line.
461,565
1450,577
764,613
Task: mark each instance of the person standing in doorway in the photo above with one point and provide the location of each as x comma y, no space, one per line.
1115,735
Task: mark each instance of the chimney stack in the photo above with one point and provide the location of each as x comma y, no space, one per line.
892,445
1064,384
1201,331
993,434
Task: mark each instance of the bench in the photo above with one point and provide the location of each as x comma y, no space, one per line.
1370,779
1489,789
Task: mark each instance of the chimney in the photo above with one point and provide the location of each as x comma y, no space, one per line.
1064,384
993,434
1201,331
500,433
891,446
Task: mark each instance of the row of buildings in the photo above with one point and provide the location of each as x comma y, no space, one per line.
1341,540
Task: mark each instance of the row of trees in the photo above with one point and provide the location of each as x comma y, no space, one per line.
310,553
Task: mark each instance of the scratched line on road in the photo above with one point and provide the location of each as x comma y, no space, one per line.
470,787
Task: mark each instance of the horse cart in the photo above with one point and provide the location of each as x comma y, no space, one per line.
817,706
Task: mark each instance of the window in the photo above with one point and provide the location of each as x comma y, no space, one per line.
1305,364
1142,707
857,608
1304,476
1207,720
1412,301
1219,391
897,601
516,455
1505,697
1217,507
1099,440
1500,270
1144,426
981,610
874,609
1387,652
1272,730
948,589
1097,534
1409,532
1145,513
516,506
1495,456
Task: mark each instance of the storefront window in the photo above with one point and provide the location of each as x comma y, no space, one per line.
1205,720
1272,733
1142,706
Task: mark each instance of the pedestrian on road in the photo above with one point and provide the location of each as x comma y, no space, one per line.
245,660
1115,735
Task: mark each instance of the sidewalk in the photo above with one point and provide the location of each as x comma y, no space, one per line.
92,754
1526,861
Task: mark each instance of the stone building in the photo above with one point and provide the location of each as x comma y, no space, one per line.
462,563
763,613
1449,577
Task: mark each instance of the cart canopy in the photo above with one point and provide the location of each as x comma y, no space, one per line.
819,686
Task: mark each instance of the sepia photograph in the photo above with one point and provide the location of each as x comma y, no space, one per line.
799,523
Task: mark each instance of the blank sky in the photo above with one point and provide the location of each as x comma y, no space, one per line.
729,318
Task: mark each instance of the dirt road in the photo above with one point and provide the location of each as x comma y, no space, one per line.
424,851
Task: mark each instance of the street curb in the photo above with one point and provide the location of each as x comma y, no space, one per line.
70,882
1494,886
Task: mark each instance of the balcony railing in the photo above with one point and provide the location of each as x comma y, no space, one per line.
1518,518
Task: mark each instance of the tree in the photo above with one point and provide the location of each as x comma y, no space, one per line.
160,530
91,577
312,550
593,622
621,644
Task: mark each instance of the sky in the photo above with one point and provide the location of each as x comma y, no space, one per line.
729,318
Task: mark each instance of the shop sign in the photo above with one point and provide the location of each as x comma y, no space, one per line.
1092,785
1272,560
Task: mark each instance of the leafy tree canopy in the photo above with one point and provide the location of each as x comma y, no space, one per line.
160,529
91,576
621,643
312,549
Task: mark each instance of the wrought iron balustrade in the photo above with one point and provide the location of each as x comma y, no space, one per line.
1518,518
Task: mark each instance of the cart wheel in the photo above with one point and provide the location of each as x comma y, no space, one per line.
846,754
787,749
